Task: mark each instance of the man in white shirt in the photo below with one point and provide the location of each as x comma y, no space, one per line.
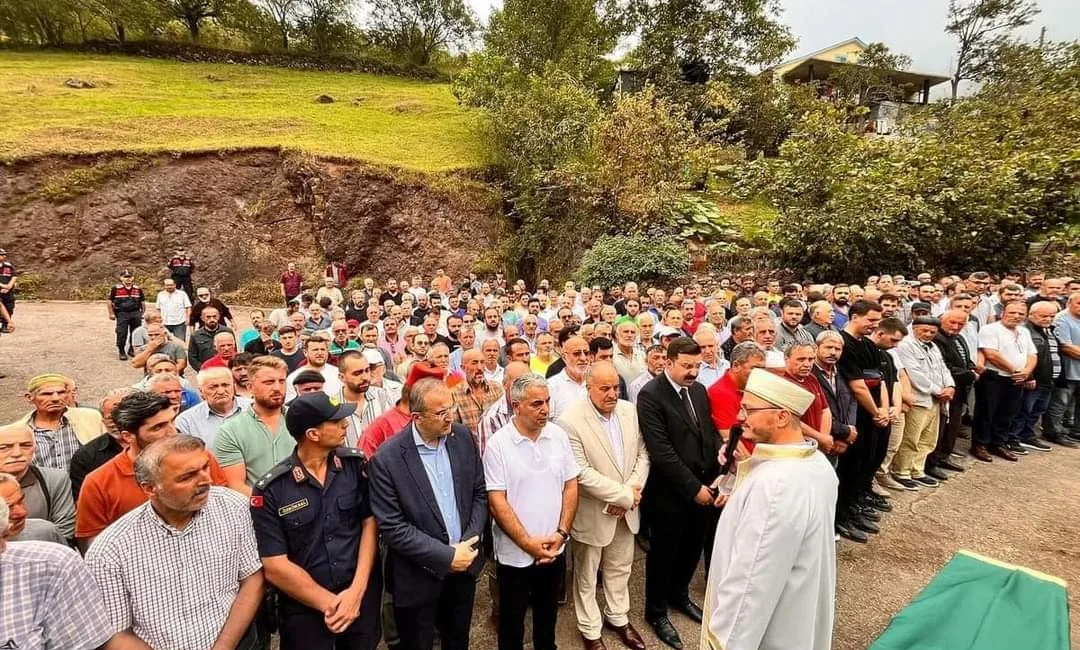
568,386
317,353
531,478
220,403
175,308
713,363
772,579
1010,358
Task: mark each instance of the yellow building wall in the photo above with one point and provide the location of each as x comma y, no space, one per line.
846,52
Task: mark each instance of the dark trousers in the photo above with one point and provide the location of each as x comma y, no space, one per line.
303,628
1064,402
997,401
677,538
183,282
179,331
521,588
949,430
8,300
857,466
1032,406
449,615
126,323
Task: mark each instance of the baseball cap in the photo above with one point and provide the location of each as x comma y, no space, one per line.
125,273
374,358
311,410
352,322
667,330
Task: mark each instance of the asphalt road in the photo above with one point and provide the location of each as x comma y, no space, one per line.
1026,513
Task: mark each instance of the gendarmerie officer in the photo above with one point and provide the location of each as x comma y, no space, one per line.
7,286
126,308
317,535
181,267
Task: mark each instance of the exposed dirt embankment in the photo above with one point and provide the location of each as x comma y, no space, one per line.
74,222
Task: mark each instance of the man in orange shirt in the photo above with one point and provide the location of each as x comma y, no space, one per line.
111,491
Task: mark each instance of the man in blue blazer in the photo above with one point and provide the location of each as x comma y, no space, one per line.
430,502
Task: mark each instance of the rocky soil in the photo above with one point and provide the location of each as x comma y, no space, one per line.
74,222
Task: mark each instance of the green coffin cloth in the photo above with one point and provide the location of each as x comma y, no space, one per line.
978,603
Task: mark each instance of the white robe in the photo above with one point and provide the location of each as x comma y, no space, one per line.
772,582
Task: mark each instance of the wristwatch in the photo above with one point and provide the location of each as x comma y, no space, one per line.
565,535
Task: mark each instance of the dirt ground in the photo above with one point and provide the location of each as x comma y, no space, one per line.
1026,513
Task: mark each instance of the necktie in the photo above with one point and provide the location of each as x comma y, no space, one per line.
689,407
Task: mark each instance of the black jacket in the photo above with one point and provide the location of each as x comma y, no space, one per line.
1046,347
683,453
410,524
962,370
842,404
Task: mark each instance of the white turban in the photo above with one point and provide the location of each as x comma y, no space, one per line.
779,391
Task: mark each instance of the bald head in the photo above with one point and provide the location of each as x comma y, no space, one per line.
602,383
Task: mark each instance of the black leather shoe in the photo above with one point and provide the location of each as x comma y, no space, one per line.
878,502
1062,441
665,631
949,465
123,357
688,607
937,473
866,512
849,532
864,524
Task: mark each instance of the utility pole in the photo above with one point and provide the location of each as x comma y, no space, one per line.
1042,37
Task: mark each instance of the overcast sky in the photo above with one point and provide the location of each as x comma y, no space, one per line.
914,27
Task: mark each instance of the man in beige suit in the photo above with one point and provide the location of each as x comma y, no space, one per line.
611,453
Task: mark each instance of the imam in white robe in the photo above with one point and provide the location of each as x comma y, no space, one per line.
772,582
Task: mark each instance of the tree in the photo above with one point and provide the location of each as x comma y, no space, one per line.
193,12
982,27
123,15
570,35
869,79
967,187
680,38
325,25
45,22
284,13
416,29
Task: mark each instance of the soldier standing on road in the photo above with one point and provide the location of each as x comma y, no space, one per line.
126,308
7,290
181,268
317,535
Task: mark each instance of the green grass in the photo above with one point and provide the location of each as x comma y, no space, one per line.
152,105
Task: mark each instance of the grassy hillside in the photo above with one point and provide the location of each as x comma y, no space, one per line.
145,105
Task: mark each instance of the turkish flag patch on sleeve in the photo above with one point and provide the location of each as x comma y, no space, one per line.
256,501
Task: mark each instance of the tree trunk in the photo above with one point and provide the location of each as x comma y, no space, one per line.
193,27
955,87
121,32
284,38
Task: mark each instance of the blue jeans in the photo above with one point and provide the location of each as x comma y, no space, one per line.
1034,404
1064,399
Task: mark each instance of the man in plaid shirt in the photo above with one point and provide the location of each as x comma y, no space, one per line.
47,597
473,396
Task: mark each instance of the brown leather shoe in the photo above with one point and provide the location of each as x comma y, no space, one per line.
1002,452
628,635
593,644
980,453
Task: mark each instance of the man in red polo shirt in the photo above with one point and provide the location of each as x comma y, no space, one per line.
292,283
111,491
725,395
225,347
817,419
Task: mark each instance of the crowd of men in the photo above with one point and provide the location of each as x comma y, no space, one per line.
348,468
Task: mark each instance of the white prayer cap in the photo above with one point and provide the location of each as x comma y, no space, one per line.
779,391
373,357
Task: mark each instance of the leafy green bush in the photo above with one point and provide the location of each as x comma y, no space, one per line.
619,259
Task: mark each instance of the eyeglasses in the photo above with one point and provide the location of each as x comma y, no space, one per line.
441,414
747,411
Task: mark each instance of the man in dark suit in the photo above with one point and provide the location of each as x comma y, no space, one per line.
673,413
430,502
